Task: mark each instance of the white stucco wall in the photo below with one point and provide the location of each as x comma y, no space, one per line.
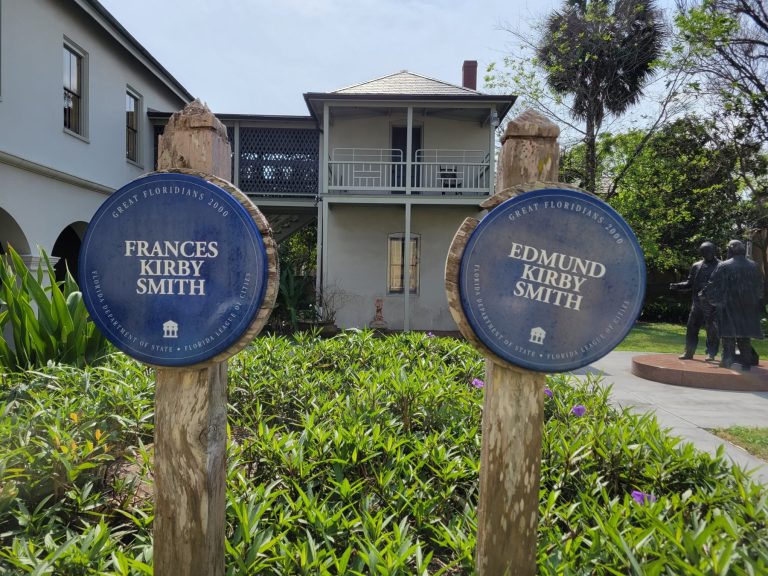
437,133
31,117
31,110
360,133
357,262
42,207
449,134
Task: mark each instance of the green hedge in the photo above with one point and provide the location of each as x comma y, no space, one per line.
359,455
669,309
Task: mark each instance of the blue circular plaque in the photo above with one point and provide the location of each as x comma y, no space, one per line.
173,269
552,280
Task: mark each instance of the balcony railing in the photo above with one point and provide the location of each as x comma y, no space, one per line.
433,172
366,169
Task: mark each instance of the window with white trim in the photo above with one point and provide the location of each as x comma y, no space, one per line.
74,65
396,276
132,125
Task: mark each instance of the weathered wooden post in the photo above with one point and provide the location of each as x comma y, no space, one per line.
529,153
179,270
525,285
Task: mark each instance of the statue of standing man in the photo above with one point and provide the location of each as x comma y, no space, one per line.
736,288
702,311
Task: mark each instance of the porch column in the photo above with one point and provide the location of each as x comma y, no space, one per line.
320,246
236,151
325,152
407,271
407,239
408,151
494,123
322,232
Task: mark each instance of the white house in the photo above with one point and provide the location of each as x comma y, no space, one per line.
397,161
405,159
75,88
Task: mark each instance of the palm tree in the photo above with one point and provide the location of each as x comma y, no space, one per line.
601,53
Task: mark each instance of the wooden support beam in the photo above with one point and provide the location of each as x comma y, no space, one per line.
190,470
510,468
235,292
513,413
191,402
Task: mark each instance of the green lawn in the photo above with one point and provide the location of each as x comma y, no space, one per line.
754,440
670,338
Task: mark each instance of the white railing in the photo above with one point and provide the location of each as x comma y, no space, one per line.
377,170
366,169
453,170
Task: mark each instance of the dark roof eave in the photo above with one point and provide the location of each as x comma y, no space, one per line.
506,100
128,37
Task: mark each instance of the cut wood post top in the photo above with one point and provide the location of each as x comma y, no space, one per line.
531,124
196,115
529,153
194,138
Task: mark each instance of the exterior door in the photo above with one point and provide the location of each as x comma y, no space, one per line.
399,145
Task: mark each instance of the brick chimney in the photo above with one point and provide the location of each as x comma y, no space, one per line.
469,74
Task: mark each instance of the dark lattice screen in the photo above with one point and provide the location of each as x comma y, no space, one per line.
279,161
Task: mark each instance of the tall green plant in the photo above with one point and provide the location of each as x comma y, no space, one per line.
48,319
291,294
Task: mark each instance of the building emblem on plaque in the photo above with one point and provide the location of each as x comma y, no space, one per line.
170,329
537,335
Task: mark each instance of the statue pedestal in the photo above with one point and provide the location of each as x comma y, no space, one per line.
695,373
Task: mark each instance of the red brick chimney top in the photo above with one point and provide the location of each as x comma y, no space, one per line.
469,74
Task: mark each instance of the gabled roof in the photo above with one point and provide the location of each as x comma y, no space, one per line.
405,82
406,87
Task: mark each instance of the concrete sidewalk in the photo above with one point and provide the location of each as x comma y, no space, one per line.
687,412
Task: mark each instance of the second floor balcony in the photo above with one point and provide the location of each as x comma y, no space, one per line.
362,171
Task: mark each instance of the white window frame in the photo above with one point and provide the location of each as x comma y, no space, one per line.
77,50
415,265
139,127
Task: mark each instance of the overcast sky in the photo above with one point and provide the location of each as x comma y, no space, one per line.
260,56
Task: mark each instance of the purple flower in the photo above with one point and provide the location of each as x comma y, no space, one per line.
477,383
430,335
548,392
578,410
642,497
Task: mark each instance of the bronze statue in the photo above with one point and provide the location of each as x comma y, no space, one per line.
736,288
702,311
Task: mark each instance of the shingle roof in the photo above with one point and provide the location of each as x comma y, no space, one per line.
405,82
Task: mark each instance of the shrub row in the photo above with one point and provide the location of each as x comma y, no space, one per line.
359,455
